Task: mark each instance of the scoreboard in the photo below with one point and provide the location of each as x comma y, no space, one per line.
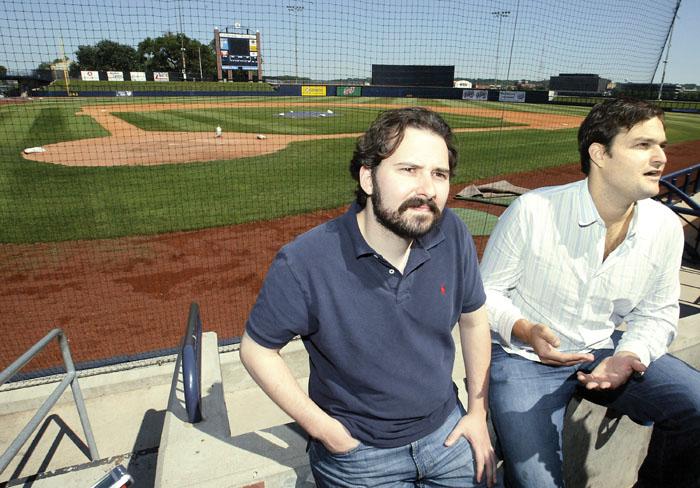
238,51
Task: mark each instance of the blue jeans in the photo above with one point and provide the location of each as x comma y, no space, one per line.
423,463
528,401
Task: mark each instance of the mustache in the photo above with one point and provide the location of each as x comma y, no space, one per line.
418,202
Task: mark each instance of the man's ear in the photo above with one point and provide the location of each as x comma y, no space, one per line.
598,154
366,180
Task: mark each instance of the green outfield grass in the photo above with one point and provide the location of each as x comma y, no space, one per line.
268,120
87,86
45,202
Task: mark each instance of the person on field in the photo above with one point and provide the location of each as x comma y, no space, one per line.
563,268
375,295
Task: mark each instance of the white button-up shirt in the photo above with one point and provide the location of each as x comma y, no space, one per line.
544,263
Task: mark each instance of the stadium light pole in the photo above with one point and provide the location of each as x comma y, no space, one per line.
199,52
668,50
182,43
499,14
294,9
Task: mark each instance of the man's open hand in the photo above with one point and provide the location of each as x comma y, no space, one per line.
612,372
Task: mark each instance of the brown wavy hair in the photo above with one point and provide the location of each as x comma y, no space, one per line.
386,133
607,119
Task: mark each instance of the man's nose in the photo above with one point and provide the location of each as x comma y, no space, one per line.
426,185
660,155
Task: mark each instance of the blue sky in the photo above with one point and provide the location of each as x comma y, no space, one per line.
343,38
684,60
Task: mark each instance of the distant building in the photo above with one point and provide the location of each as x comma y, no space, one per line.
412,75
669,91
530,85
578,84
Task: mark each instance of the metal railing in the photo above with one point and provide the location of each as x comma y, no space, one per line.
680,186
192,365
70,378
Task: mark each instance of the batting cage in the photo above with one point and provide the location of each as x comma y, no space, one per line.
156,153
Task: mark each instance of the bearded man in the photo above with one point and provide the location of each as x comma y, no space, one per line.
375,295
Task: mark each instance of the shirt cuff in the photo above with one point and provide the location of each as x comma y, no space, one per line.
504,328
638,348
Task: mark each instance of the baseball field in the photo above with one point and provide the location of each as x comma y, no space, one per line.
136,208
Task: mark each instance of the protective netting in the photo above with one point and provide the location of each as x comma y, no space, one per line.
135,183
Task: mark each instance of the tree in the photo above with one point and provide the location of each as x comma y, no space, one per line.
3,71
54,67
164,53
46,65
74,70
107,55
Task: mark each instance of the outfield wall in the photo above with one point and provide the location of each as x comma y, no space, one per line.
158,93
438,93
324,89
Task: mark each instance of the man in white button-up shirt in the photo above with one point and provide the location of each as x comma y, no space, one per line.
564,267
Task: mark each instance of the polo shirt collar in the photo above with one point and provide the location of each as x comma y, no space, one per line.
362,248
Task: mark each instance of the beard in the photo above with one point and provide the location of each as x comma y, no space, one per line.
407,227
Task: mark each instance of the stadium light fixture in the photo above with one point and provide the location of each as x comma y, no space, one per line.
295,9
668,50
182,42
500,14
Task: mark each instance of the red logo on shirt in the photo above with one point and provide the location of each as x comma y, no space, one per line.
443,289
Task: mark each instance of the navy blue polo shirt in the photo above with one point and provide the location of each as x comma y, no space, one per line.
379,341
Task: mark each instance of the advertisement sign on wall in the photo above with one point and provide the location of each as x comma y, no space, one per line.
348,91
313,91
511,96
137,76
161,76
89,76
481,95
115,76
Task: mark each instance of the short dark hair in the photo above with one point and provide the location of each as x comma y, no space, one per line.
386,133
607,119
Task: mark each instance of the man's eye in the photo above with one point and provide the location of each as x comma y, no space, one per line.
442,176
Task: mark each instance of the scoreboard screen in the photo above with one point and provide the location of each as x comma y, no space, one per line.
238,51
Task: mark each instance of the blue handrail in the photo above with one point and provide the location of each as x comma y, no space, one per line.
192,365
680,186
